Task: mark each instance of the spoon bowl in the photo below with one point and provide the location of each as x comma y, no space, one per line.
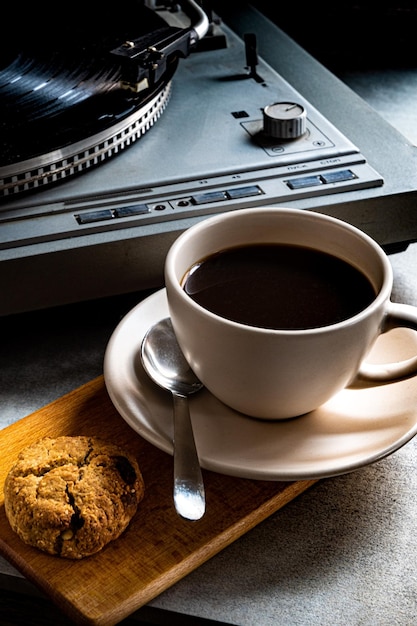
166,365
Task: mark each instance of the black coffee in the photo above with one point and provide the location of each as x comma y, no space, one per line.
279,286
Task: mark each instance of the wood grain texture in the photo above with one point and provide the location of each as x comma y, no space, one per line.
158,548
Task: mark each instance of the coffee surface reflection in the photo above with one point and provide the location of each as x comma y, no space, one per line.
279,286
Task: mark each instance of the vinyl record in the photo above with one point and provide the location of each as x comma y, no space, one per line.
61,87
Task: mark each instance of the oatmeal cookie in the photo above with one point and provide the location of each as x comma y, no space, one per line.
70,496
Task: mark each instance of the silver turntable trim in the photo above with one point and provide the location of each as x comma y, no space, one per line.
80,156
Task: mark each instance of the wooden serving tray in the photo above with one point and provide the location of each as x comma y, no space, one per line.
158,548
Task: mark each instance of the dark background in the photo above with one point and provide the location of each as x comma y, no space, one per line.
349,34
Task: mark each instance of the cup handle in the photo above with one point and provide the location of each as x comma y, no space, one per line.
397,315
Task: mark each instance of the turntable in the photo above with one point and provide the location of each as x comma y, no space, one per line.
73,97
121,129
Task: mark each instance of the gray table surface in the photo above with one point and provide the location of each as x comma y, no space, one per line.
343,553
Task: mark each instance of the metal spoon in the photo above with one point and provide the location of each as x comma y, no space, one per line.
166,365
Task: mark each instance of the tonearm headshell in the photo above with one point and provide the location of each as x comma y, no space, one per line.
145,60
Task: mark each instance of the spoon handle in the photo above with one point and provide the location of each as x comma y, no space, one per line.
189,497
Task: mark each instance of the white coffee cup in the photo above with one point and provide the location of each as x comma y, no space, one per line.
278,374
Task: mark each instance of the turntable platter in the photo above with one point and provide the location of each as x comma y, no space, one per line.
64,105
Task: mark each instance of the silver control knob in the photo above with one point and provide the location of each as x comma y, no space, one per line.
285,120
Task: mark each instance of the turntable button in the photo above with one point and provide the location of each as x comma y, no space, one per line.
338,176
133,209
209,196
244,192
304,181
94,216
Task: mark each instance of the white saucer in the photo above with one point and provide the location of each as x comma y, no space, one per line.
357,427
